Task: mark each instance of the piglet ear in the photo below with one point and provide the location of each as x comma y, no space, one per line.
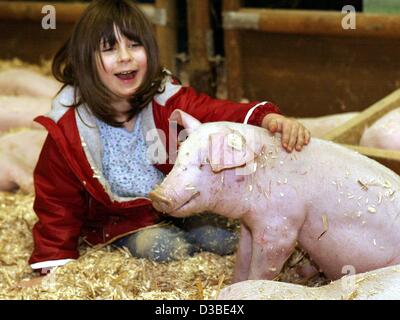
185,120
229,149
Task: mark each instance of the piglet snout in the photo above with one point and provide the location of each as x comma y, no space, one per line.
160,201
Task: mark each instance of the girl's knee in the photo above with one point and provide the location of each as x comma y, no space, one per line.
214,239
213,234
161,244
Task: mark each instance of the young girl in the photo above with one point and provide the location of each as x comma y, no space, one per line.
93,177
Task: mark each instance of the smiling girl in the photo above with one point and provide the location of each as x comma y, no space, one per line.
93,177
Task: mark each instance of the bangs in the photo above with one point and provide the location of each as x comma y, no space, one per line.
130,23
108,36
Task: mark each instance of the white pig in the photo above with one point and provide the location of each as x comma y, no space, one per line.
339,206
319,126
384,133
19,111
381,284
19,152
19,81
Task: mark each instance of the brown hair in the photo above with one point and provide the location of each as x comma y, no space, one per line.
75,62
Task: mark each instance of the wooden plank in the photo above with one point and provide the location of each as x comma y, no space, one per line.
314,23
200,46
233,61
65,12
166,32
32,11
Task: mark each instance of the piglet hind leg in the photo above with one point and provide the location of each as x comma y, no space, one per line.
243,255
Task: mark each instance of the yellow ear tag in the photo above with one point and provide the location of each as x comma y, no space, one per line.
235,141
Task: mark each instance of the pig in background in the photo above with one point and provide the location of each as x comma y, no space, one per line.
20,81
319,126
340,207
19,111
384,133
381,284
19,152
24,95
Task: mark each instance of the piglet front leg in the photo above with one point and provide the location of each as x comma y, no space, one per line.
243,255
272,245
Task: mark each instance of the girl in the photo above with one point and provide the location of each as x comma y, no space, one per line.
93,176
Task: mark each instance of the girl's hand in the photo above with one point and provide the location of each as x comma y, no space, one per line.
37,281
34,282
294,134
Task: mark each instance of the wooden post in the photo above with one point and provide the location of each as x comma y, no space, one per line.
233,61
200,46
166,30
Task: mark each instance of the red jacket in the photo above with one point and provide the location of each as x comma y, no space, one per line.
74,200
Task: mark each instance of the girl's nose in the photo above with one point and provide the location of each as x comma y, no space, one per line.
124,55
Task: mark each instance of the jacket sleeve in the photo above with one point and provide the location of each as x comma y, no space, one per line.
60,206
207,109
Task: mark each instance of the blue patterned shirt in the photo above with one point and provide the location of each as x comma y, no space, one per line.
125,164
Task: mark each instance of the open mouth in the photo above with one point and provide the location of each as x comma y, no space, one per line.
193,196
126,75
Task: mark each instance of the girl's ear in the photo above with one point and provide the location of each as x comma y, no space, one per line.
185,120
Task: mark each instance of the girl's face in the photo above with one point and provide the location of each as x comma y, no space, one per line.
124,65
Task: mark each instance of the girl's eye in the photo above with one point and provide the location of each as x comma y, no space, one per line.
106,48
135,44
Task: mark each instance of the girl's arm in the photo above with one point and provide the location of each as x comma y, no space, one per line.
207,109
60,205
263,114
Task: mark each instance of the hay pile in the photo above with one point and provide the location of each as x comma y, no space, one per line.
104,273
108,273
